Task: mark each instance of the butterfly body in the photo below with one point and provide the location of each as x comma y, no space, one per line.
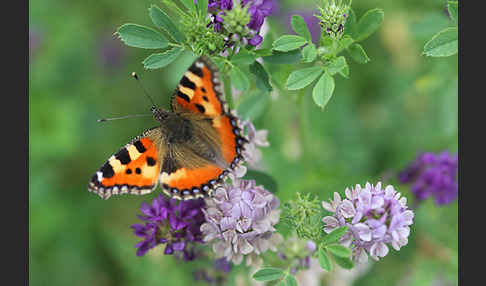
190,152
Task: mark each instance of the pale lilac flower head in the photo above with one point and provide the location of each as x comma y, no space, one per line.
240,217
171,222
433,175
375,218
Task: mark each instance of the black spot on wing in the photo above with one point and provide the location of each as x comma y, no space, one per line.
123,156
150,161
183,96
107,170
195,70
187,83
139,146
200,108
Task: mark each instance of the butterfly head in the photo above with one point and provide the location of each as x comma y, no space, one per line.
160,114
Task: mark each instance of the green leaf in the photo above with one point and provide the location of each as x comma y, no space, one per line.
336,65
263,52
253,105
452,7
260,177
162,20
358,54
160,60
326,41
281,283
345,263
300,27
239,78
301,78
339,250
345,71
189,4
288,43
345,42
268,274
290,280
323,90
309,53
442,44
243,57
202,7
141,37
335,235
350,25
262,80
369,23
324,260
289,58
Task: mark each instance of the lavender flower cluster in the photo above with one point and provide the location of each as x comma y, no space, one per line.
433,175
241,217
374,216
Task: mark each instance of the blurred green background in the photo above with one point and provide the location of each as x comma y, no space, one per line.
398,104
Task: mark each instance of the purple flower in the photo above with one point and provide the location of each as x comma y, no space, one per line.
171,222
374,216
257,10
433,175
241,216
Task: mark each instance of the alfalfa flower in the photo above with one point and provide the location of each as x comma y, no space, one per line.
333,16
375,218
433,175
171,222
240,219
297,253
240,20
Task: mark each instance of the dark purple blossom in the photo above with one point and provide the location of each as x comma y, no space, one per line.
258,10
171,222
433,175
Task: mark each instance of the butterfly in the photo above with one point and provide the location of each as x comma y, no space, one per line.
195,146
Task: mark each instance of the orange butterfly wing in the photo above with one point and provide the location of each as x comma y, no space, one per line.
200,91
134,169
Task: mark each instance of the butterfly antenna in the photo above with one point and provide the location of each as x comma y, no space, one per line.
123,117
144,91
